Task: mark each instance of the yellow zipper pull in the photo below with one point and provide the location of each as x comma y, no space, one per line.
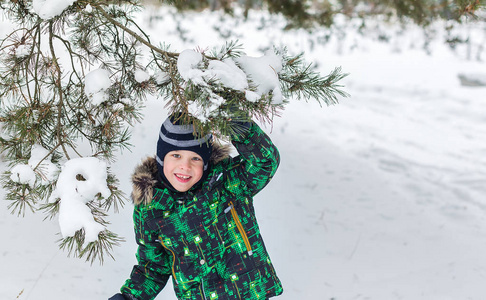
240,227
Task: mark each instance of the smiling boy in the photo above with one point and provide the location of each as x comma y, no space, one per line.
195,221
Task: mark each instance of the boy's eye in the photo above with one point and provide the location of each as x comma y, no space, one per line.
196,158
175,155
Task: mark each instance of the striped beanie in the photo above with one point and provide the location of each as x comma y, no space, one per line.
174,135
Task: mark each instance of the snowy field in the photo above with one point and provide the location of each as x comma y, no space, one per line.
380,197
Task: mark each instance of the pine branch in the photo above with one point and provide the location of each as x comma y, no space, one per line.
230,49
49,105
134,34
103,246
57,70
93,251
299,80
50,209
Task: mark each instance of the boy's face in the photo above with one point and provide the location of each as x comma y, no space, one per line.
183,169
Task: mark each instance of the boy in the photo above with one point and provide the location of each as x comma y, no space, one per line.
194,217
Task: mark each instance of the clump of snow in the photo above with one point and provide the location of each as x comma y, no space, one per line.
201,112
88,8
40,161
48,9
141,76
96,84
252,96
125,101
162,77
80,181
263,71
22,51
188,65
228,73
196,111
118,107
23,174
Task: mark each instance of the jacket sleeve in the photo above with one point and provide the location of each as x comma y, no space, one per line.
153,270
258,158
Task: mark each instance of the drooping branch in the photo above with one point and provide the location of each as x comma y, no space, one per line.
134,34
57,80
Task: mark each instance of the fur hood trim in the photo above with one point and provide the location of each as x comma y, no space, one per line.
145,176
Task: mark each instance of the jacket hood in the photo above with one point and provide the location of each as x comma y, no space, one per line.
145,176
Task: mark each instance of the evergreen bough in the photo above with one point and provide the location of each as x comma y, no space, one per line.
43,66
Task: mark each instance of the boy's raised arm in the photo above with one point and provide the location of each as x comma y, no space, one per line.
259,158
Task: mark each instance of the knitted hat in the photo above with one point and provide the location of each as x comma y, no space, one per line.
174,135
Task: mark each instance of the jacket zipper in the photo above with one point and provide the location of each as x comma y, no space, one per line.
203,290
173,259
240,228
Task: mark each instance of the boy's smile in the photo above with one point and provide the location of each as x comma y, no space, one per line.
183,169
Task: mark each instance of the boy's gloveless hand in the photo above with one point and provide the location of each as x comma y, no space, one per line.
122,297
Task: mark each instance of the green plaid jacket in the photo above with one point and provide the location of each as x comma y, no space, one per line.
207,240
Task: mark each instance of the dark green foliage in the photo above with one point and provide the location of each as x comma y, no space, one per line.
310,13
92,251
300,80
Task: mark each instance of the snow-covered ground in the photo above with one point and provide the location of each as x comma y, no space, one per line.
380,197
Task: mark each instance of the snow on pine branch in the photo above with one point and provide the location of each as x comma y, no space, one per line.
231,85
48,9
40,164
96,85
81,181
237,73
256,78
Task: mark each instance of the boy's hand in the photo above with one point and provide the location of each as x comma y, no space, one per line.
241,122
122,297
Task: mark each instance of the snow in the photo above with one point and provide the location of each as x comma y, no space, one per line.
48,9
80,181
162,77
141,76
96,84
263,71
188,64
88,8
228,74
46,169
22,50
26,173
380,197
23,174
252,96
